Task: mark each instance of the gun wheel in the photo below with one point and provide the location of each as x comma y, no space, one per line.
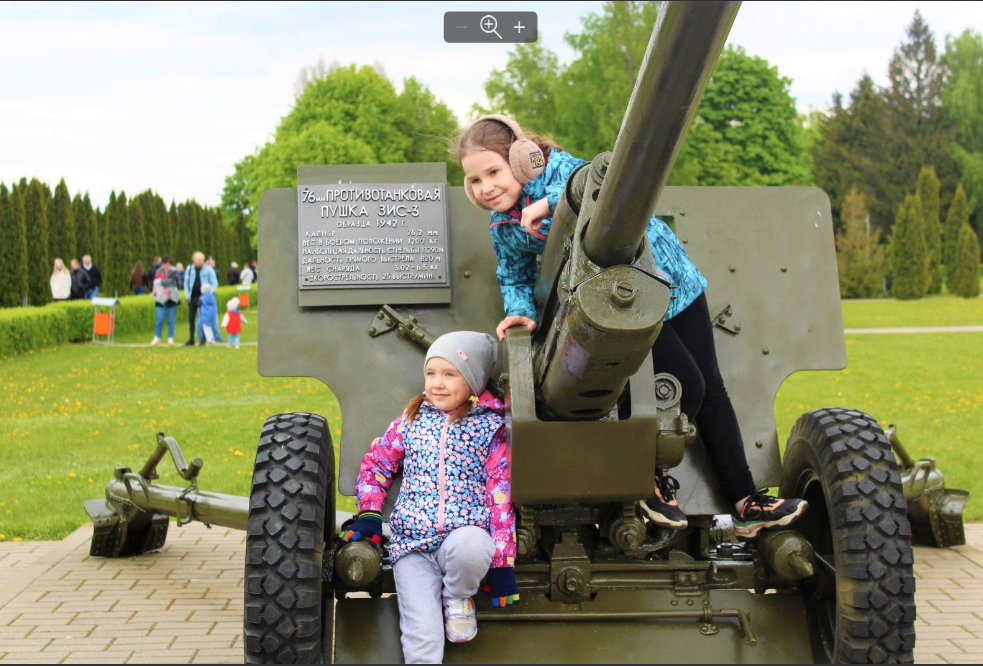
289,610
861,602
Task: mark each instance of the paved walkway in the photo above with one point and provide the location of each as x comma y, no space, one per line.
184,604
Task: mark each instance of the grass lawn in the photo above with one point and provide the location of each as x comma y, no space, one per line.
932,311
928,384
71,414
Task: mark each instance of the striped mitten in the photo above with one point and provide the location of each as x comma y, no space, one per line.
502,587
368,526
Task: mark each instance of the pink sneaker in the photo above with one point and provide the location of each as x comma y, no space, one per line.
460,621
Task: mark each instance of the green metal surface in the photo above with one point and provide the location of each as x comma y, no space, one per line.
367,631
936,512
740,238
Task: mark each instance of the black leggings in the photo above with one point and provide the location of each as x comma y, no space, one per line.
685,349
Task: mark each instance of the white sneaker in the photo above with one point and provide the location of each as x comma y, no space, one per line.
170,342
153,343
460,621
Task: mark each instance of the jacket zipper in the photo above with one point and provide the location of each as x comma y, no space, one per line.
440,476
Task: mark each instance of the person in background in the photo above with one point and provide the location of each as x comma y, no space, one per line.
197,275
166,295
136,279
148,277
61,281
95,278
179,269
255,270
233,274
247,276
80,280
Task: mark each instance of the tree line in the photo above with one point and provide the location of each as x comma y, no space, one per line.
747,131
38,225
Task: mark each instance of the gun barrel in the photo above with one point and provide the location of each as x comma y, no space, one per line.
184,504
680,57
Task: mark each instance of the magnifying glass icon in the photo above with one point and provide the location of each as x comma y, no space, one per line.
489,25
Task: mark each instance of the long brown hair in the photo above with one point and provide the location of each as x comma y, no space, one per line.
497,137
413,409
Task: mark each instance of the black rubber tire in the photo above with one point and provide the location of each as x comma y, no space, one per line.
289,610
841,462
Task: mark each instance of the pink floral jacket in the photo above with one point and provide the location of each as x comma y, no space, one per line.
454,474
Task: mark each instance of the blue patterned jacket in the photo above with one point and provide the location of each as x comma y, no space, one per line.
518,252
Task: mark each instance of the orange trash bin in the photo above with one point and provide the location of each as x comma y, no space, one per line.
104,323
244,300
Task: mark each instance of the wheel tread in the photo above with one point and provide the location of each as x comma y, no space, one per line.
292,483
872,536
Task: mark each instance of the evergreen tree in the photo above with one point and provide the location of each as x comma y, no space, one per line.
859,254
118,254
966,277
170,233
927,191
244,249
915,99
85,227
957,216
137,223
852,150
908,254
13,250
100,218
62,225
39,260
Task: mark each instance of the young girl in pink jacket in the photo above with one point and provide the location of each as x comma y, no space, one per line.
453,522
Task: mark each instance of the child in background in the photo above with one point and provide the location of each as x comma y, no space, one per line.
232,321
208,316
454,516
520,181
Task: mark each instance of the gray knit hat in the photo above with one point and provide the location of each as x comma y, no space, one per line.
472,353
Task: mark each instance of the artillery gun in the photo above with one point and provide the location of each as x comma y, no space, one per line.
589,423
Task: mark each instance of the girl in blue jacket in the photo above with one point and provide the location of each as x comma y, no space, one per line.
520,181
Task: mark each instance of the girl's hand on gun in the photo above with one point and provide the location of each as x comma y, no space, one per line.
533,215
502,587
368,527
514,320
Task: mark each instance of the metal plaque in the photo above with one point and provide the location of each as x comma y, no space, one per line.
357,235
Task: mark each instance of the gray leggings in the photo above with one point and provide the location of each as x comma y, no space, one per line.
454,570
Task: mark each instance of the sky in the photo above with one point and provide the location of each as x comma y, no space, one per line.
130,96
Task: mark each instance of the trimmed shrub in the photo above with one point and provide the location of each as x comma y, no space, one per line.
24,329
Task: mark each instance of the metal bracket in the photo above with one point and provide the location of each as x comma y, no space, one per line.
388,319
722,316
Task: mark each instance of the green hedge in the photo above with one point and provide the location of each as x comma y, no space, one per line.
22,329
